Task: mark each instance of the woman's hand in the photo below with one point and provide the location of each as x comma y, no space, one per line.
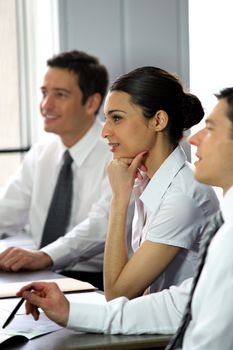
122,173
49,298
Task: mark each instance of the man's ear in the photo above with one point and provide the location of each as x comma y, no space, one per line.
93,103
159,121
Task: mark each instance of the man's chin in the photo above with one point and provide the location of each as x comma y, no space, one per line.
202,178
49,129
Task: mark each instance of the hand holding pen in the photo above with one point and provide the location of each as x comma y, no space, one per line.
46,296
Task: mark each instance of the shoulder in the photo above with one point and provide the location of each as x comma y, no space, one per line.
45,149
186,188
99,151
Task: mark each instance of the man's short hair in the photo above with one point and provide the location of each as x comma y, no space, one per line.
227,94
92,77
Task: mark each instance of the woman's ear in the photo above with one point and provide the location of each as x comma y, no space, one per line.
160,120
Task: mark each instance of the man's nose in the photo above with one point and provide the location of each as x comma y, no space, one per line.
47,103
196,138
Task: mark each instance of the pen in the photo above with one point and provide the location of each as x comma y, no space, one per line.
13,313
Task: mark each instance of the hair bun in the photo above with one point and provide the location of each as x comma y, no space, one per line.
193,111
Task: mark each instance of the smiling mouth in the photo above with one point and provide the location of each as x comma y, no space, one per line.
50,117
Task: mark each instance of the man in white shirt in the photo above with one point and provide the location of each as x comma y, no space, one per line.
212,304
72,92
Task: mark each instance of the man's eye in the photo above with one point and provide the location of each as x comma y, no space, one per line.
44,93
62,94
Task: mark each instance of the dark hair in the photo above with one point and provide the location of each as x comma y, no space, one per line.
227,94
92,76
155,89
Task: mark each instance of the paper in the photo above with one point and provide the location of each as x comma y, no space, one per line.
89,298
25,326
65,284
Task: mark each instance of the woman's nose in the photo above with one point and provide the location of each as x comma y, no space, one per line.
105,130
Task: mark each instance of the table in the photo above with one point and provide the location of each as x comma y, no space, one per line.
65,339
70,340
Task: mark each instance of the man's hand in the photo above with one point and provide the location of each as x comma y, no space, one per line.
49,298
14,259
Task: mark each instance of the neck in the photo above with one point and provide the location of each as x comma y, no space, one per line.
70,140
157,155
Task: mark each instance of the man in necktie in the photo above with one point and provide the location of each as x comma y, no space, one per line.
209,295
65,210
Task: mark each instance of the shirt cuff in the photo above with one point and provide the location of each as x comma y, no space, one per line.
86,317
57,254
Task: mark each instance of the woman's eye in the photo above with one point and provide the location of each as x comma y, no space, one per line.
209,128
116,118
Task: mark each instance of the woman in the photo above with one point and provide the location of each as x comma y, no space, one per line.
146,113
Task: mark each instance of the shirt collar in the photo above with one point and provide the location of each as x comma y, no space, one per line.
83,147
226,205
162,179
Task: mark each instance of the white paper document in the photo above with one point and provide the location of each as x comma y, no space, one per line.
26,327
65,284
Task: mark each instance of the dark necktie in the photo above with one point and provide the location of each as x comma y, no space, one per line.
215,222
60,206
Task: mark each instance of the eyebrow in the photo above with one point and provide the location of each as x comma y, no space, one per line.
56,89
209,121
115,110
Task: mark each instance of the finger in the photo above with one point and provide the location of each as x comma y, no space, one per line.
16,266
33,298
138,161
6,251
35,313
9,262
4,257
122,162
36,286
139,175
20,261
11,257
143,167
32,309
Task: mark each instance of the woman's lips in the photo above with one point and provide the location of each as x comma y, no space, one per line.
113,146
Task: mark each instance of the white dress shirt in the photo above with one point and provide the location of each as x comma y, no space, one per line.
175,209
212,306
26,200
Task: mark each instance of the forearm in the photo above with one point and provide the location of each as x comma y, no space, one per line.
156,313
116,253
85,241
